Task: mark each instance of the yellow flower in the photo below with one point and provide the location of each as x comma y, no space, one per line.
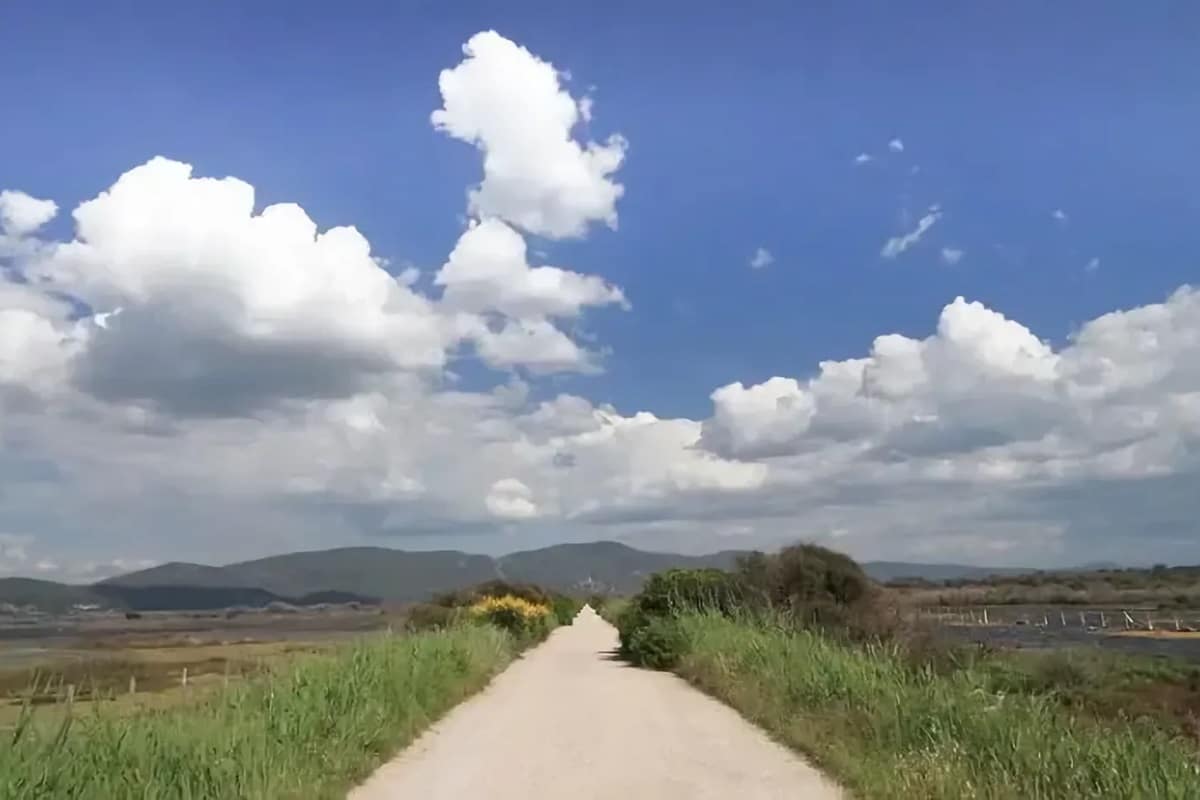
516,605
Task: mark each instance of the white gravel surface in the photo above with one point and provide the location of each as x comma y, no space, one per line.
570,722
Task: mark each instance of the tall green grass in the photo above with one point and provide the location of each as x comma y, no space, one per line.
889,731
310,731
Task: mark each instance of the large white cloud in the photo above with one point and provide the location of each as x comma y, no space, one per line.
210,307
984,388
510,104
196,304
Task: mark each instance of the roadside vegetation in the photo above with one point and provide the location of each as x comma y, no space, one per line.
309,727
803,644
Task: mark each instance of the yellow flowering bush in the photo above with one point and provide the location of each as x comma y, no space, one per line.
516,615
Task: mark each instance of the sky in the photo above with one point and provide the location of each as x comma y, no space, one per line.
908,280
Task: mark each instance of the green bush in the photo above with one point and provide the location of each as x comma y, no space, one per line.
675,591
805,576
565,608
672,592
658,644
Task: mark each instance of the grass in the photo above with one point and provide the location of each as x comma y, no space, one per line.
310,729
155,673
889,730
1113,688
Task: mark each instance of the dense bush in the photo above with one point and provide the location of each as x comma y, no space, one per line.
565,608
658,644
675,591
818,587
811,586
805,576
526,621
669,593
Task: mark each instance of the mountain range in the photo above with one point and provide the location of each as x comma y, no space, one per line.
379,574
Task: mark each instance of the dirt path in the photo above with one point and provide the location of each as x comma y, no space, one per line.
568,722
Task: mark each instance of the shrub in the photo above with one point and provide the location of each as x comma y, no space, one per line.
565,608
524,620
818,587
676,591
806,576
658,644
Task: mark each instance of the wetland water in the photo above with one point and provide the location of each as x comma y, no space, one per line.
1022,628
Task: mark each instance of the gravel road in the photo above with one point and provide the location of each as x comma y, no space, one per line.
569,722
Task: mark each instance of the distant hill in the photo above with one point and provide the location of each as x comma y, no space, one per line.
46,595
371,571
372,574
599,566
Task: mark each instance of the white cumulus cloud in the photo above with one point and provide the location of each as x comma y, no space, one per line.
759,420
222,308
510,499
536,175
488,270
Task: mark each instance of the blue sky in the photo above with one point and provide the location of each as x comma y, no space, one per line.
1056,142
743,124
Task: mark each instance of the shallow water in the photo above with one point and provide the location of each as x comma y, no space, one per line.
1054,636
